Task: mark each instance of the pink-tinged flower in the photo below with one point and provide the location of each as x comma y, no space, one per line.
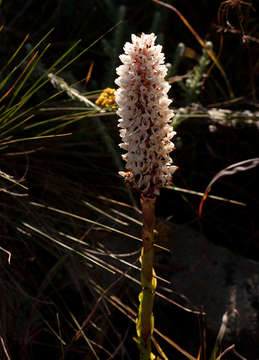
145,115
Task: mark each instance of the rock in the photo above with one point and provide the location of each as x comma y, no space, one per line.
219,282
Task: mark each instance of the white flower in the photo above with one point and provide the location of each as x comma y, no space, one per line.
145,115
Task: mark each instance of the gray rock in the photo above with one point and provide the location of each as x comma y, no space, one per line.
218,281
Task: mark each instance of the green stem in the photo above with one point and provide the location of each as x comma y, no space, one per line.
145,321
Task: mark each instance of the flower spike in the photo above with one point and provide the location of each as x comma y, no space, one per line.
145,115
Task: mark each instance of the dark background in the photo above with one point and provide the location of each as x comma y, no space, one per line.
62,172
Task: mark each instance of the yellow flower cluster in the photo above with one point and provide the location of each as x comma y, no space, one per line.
107,99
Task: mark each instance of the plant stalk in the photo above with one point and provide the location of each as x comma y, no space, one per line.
145,321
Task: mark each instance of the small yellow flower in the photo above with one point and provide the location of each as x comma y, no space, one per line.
107,99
